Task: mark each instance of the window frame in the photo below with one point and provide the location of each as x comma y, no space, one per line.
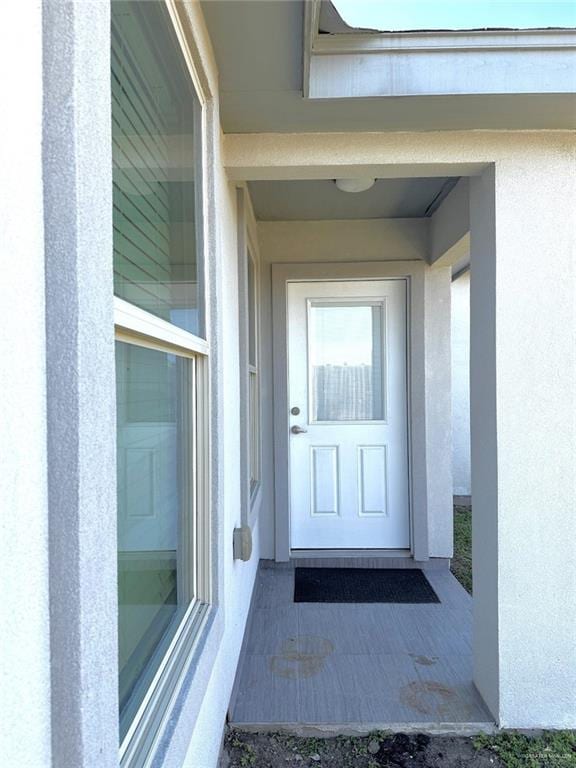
133,325
254,402
250,418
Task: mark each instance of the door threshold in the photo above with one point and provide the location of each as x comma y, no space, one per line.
319,553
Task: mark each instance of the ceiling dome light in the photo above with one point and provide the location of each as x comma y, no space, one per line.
360,184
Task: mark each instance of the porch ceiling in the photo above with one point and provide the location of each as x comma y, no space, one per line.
322,200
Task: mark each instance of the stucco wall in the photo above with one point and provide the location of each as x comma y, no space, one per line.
523,398
461,385
369,240
451,222
25,658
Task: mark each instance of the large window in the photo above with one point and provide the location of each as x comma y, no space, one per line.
161,365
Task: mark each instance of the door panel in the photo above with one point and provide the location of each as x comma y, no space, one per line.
349,441
372,480
324,480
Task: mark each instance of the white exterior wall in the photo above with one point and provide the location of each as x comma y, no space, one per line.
523,414
25,735
461,385
370,240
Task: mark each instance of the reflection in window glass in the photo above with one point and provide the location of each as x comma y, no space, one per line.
346,359
157,168
154,460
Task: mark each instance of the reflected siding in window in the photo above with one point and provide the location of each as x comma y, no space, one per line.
156,169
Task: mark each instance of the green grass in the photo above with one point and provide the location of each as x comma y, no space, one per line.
461,565
553,749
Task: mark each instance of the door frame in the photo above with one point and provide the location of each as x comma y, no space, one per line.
413,272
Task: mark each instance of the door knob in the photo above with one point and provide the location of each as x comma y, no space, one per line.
296,430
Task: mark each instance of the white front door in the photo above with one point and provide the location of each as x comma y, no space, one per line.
348,415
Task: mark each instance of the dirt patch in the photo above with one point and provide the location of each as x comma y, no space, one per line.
378,750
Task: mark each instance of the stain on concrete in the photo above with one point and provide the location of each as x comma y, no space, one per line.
301,657
429,698
425,661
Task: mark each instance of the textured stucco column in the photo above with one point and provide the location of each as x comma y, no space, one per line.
24,615
80,384
438,414
523,414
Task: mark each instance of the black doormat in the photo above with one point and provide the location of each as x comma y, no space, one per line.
362,585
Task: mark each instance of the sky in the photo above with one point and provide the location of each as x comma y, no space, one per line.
342,335
456,14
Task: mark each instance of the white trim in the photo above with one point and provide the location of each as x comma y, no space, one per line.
311,21
247,244
411,271
445,41
203,438
136,323
442,63
190,53
301,554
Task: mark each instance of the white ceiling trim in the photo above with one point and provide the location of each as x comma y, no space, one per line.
439,63
407,42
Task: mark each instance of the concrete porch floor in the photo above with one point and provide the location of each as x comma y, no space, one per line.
340,668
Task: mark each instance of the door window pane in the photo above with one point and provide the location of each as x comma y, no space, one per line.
156,120
154,427
346,350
